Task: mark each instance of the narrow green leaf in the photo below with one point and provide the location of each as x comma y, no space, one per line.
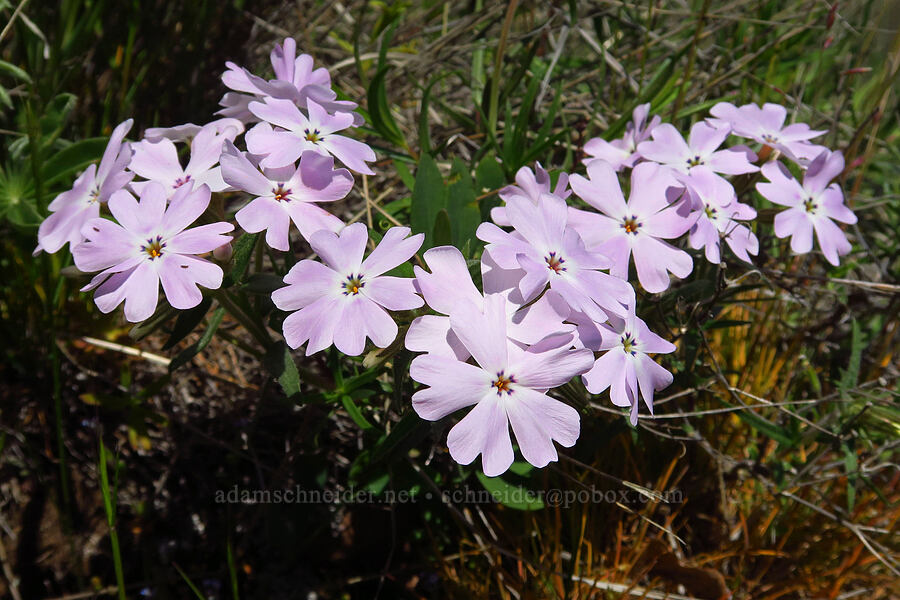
17,72
514,496
191,351
73,158
443,234
355,413
186,322
282,366
243,250
428,198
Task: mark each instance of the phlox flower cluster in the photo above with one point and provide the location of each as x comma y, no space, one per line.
556,301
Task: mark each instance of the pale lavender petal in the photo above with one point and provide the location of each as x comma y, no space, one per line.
485,431
353,153
180,275
380,327
537,420
783,188
650,377
141,293
833,205
314,323
156,161
606,370
483,333
307,281
106,245
432,334
551,369
652,258
667,147
140,217
113,149
601,189
266,214
449,282
733,161
186,205
393,293
704,138
202,239
453,385
831,239
649,184
309,219
342,252
395,249
239,173
280,148
822,170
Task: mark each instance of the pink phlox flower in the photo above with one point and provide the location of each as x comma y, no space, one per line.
637,228
158,161
717,212
625,368
622,152
530,185
766,126
507,386
151,244
700,151
449,284
342,300
286,194
550,252
813,205
188,131
295,80
296,133
70,210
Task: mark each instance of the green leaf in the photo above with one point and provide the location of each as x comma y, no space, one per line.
73,158
186,322
356,414
428,198
191,351
379,110
443,235
514,496
17,72
850,376
462,205
243,250
282,366
263,283
489,177
851,467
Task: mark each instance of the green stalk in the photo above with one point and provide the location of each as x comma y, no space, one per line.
692,56
493,109
109,505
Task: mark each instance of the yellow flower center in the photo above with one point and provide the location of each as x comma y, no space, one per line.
313,136
503,384
352,285
154,247
631,224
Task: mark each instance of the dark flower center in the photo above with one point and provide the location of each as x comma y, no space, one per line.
154,247
810,206
696,161
503,383
711,213
281,193
555,263
353,284
631,224
181,181
629,343
313,136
